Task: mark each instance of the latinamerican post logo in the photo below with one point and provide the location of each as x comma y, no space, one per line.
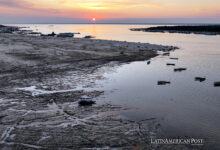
169,141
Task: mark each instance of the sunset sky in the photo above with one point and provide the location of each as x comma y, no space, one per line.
109,10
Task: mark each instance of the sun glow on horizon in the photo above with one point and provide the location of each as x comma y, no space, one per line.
105,9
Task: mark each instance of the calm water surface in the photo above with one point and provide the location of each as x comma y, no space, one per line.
185,107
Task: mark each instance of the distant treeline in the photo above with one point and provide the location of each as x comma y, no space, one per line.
191,29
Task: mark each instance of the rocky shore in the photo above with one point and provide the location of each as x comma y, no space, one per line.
39,88
8,29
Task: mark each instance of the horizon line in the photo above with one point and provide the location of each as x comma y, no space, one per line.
151,23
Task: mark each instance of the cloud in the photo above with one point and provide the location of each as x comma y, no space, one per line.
21,4
113,4
129,3
109,8
14,3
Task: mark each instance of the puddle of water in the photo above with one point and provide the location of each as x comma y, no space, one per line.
187,108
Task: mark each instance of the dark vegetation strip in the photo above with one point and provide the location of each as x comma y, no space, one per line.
191,29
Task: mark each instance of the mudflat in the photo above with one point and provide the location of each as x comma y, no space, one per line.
39,80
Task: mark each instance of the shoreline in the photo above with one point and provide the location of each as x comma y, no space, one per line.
53,120
202,29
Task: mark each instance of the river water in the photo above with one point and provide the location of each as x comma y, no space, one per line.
185,108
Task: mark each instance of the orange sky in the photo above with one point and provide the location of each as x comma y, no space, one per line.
104,9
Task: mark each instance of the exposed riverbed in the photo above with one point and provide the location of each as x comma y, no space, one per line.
42,79
127,93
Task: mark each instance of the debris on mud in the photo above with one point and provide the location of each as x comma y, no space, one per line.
174,58
166,54
86,101
217,83
170,64
65,35
89,37
52,34
179,69
163,82
200,79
